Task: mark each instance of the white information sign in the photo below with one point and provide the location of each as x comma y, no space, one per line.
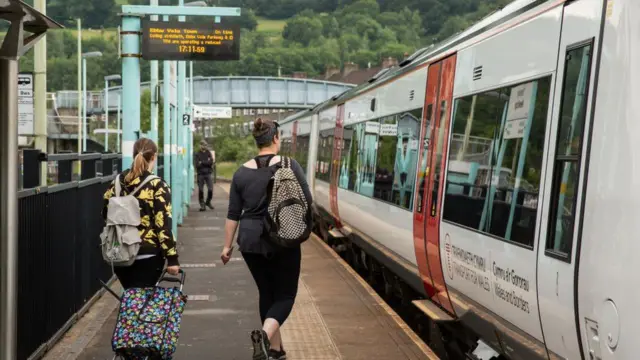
212,112
372,127
518,112
389,130
25,104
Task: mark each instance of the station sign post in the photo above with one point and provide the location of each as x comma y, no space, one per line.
170,41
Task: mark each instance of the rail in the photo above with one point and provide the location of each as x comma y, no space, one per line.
59,259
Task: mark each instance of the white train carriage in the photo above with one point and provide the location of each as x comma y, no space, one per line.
491,179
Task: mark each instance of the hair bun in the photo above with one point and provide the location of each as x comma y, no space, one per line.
258,125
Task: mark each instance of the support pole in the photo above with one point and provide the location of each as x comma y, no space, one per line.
118,124
181,139
106,118
80,107
9,209
130,86
84,104
40,84
191,177
166,90
153,132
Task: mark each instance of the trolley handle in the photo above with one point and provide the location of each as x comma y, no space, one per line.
166,278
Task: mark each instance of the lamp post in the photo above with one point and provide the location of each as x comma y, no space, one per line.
107,78
85,56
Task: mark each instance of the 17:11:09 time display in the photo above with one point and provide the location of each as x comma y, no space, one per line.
191,49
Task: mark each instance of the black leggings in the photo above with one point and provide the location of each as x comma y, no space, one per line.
277,279
142,273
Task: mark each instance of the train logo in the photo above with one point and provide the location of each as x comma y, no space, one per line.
447,248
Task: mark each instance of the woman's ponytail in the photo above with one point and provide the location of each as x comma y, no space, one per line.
143,152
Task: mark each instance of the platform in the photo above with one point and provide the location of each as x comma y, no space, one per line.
337,316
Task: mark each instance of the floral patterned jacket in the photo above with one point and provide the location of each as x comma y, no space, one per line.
155,212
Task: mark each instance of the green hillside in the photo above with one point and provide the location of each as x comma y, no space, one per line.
277,35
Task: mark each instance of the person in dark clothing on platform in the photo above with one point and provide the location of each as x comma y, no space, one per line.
275,270
204,166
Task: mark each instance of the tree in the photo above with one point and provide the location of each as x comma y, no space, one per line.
247,20
302,30
367,8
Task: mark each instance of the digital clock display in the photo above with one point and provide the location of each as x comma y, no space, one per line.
183,41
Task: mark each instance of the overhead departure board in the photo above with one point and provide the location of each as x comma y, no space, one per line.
183,41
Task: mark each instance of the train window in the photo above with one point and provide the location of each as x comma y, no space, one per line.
358,159
424,163
302,151
495,161
472,152
568,151
349,159
325,153
397,158
515,177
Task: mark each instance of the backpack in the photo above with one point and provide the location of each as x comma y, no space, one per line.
120,237
288,221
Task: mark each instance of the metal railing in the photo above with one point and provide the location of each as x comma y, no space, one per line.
59,258
68,99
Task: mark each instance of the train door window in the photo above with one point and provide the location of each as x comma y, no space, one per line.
397,158
348,161
515,179
424,163
472,153
325,152
568,151
302,151
439,148
367,135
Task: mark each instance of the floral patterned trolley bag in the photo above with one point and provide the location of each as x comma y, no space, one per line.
148,323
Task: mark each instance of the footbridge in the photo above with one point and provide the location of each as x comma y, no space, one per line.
249,92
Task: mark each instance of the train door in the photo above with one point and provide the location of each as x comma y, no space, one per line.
557,275
424,161
338,144
438,153
435,138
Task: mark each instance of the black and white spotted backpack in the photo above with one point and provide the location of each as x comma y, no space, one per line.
288,215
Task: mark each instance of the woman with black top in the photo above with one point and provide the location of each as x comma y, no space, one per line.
275,270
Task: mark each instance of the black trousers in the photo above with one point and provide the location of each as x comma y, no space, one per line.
202,179
277,279
142,273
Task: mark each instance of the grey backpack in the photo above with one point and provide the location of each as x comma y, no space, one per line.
120,237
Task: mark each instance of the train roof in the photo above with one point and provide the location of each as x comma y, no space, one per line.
424,56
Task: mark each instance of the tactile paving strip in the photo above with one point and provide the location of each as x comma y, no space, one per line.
305,335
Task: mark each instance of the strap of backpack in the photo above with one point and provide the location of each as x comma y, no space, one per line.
143,183
117,185
257,160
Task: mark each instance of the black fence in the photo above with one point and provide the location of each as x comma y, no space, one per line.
59,259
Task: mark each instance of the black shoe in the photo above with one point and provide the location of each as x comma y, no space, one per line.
261,345
209,205
202,208
277,354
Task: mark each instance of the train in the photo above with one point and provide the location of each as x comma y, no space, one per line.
488,181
